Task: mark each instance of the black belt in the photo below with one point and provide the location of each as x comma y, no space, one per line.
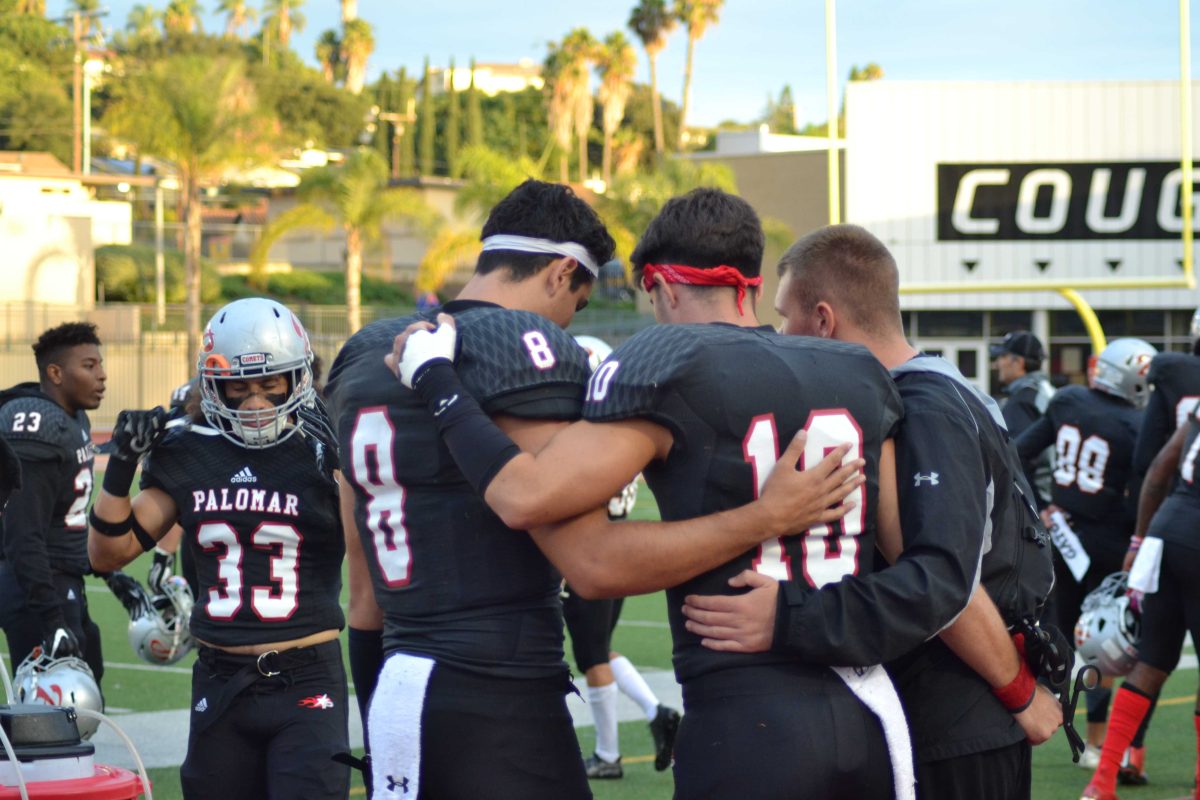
243,671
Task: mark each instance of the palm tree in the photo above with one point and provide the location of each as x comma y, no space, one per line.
560,105
696,16
582,48
329,49
354,195
182,16
86,9
453,129
357,45
199,114
35,8
142,22
282,19
428,123
651,22
616,65
474,113
238,15
349,10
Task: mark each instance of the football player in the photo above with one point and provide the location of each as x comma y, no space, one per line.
1018,362
1093,431
250,480
970,698
472,620
591,624
1166,524
42,597
703,406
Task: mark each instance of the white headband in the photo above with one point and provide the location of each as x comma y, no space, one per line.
528,244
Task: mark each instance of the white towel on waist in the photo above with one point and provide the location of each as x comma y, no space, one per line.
1143,575
874,687
394,725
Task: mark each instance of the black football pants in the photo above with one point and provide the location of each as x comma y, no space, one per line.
24,630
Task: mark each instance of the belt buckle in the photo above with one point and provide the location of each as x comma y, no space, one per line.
266,672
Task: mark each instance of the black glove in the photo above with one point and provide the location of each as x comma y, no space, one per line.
315,423
129,592
160,571
61,643
1048,653
136,432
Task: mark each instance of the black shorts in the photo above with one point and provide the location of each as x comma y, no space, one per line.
1173,610
276,739
591,624
469,736
1001,774
777,733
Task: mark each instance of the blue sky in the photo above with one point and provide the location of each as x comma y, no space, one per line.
760,45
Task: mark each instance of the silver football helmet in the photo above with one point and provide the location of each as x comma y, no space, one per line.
65,682
1107,630
247,339
597,350
1121,370
160,634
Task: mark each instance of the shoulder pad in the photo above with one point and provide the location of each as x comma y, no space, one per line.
503,350
41,422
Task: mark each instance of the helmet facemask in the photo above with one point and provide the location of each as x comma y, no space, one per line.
260,427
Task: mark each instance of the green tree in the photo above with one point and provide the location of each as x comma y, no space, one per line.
453,125
652,23
696,16
36,8
428,123
86,9
356,197
560,104
616,64
780,115
238,15
142,22
474,113
581,48
181,16
408,142
358,42
329,54
282,19
201,115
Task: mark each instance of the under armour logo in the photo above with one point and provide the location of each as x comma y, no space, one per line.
932,478
444,405
393,784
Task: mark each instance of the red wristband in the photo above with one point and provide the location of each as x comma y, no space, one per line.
1018,694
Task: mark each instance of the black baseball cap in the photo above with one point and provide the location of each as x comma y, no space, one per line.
1019,343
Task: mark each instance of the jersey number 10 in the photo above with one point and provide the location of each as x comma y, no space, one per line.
830,551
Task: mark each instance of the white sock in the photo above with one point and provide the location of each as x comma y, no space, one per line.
603,700
634,686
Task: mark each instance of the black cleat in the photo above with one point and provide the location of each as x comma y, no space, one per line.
600,769
663,728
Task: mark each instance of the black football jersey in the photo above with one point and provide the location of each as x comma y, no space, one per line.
733,398
1178,518
42,433
1175,378
1093,435
263,530
454,582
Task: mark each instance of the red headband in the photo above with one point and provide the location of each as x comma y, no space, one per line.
695,276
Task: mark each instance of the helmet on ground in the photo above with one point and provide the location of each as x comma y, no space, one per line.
160,634
1108,628
1121,370
65,682
597,350
248,339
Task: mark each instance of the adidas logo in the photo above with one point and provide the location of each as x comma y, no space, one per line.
202,706
244,475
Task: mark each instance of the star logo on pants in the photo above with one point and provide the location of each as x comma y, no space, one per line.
316,701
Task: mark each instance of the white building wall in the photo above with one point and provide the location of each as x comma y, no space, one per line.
898,133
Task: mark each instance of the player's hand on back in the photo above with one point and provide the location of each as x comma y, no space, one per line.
795,499
136,433
420,346
742,623
1042,718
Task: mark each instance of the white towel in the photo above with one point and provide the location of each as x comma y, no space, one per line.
1143,575
395,725
874,687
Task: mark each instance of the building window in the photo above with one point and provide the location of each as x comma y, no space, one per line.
950,324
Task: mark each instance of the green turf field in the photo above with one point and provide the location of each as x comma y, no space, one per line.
1171,742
